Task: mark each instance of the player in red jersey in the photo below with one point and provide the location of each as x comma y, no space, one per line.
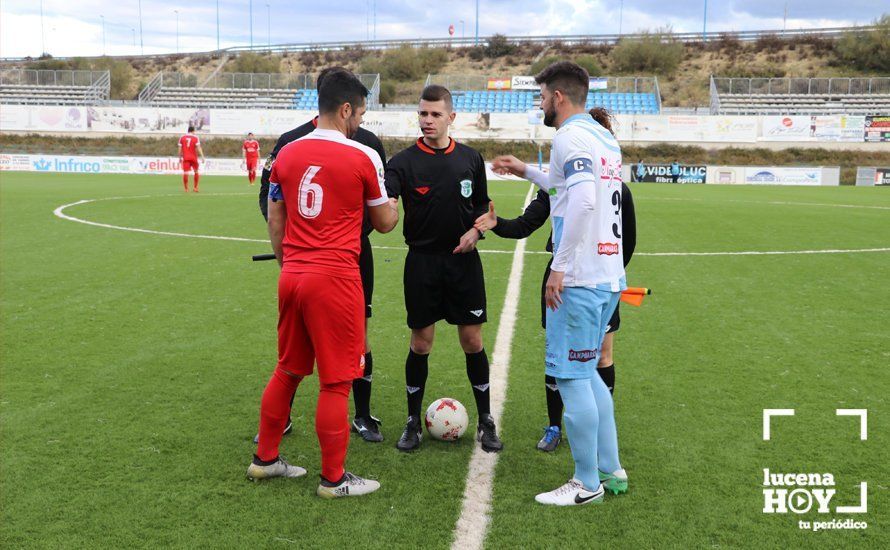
251,149
189,149
317,190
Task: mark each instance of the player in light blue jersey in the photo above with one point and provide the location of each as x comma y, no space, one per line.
586,280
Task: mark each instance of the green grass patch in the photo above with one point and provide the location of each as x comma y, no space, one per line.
132,368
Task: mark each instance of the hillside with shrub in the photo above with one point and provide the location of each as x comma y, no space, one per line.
682,68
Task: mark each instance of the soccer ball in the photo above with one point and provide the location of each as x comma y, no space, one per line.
446,419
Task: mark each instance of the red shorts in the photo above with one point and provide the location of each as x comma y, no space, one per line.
189,165
321,319
251,165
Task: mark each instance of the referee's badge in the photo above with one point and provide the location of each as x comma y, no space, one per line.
466,188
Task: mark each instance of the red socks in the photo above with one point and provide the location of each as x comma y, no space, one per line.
185,181
274,412
331,421
197,177
332,427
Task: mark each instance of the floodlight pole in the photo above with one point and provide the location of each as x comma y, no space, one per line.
177,30
217,25
785,20
141,43
251,24
476,42
42,31
704,25
463,29
375,19
620,17
268,27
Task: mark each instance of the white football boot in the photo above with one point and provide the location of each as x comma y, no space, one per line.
572,493
279,468
350,485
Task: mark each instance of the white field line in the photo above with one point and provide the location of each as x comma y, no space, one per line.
469,532
60,213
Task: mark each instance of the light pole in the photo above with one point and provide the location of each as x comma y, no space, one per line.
476,43
268,27
177,30
704,24
620,17
102,17
217,25
375,19
251,24
141,43
785,19
42,31
463,33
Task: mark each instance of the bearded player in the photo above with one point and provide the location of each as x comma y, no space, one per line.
318,189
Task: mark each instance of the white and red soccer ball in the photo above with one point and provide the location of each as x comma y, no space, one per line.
446,419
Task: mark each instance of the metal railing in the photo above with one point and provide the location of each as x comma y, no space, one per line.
151,89
799,86
248,81
833,32
715,97
34,77
99,91
828,33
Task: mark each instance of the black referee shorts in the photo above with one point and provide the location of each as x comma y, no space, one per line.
614,322
444,286
366,268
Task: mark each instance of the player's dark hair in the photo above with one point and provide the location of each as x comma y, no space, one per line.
340,87
567,77
603,117
191,128
325,72
434,92
250,133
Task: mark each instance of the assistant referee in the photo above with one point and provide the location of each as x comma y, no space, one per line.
443,187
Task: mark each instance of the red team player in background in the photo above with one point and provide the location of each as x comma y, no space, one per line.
318,187
189,149
251,149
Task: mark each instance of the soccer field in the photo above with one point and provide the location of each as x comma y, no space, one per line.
133,364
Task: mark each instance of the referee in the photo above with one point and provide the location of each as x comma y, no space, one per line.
444,189
534,216
367,426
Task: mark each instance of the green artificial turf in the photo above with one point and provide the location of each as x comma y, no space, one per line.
133,364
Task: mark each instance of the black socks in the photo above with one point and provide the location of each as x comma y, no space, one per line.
361,389
416,370
477,372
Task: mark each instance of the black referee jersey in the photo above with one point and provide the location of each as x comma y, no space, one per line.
443,191
365,137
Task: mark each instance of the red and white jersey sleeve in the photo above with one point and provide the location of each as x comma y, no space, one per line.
325,180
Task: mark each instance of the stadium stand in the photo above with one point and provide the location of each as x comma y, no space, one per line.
800,96
631,95
34,87
241,91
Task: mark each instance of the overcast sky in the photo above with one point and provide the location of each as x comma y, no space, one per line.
73,28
